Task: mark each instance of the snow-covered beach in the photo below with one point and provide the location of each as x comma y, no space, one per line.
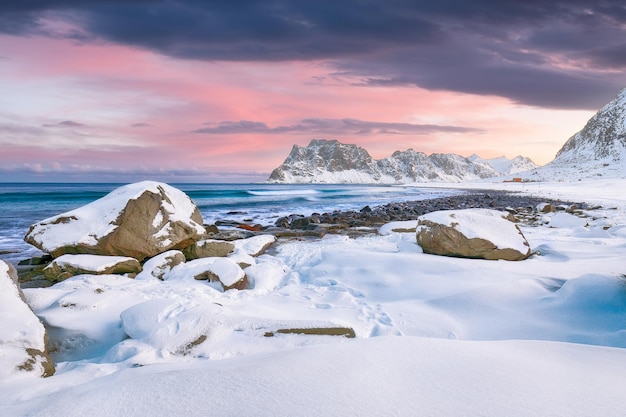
434,335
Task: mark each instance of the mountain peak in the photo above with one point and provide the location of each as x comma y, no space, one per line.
602,139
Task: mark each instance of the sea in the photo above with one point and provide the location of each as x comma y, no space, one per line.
23,204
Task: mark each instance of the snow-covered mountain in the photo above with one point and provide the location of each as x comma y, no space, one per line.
329,161
507,166
598,150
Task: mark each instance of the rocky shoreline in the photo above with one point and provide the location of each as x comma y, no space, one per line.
365,221
369,219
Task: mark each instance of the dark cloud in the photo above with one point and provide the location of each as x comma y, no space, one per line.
561,53
65,123
141,125
333,127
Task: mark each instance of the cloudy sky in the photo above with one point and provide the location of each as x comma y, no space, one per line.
190,90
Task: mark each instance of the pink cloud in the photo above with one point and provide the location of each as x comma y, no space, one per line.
105,91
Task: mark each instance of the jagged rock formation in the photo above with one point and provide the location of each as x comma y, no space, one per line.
328,161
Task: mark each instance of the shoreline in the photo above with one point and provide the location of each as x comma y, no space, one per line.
351,223
368,218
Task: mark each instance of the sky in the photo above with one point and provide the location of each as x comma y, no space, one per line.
220,91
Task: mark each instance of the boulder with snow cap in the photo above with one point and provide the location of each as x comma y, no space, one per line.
255,245
224,271
472,233
139,220
66,266
161,264
22,336
208,248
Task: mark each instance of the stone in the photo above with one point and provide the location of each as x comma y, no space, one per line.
545,208
66,266
224,271
161,264
23,338
256,245
138,220
347,332
208,248
472,233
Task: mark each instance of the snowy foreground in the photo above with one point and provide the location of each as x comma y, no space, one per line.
435,336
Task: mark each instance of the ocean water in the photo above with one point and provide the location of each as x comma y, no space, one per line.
22,204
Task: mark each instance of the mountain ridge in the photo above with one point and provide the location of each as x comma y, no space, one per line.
329,161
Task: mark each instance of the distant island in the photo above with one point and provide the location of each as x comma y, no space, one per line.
329,161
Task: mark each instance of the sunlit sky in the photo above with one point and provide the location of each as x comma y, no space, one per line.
220,91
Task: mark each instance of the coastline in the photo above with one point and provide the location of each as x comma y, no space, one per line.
463,317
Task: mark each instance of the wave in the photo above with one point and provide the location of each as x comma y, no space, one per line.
282,192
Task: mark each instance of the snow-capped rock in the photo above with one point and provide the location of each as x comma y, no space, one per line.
139,220
66,266
22,335
328,161
161,264
472,233
255,245
208,248
225,271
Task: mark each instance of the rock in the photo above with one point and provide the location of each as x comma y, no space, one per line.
23,337
211,229
161,264
230,235
222,270
241,258
137,220
208,248
318,331
256,245
472,233
545,208
66,266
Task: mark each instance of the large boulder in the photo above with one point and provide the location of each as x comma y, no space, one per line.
472,233
22,336
66,266
138,220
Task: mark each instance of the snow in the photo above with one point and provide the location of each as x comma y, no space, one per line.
481,223
434,335
20,329
94,263
565,220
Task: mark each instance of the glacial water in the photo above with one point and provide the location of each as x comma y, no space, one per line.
22,204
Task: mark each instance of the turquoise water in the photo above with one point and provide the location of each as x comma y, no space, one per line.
22,204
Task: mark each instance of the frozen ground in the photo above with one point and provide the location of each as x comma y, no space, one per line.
434,335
